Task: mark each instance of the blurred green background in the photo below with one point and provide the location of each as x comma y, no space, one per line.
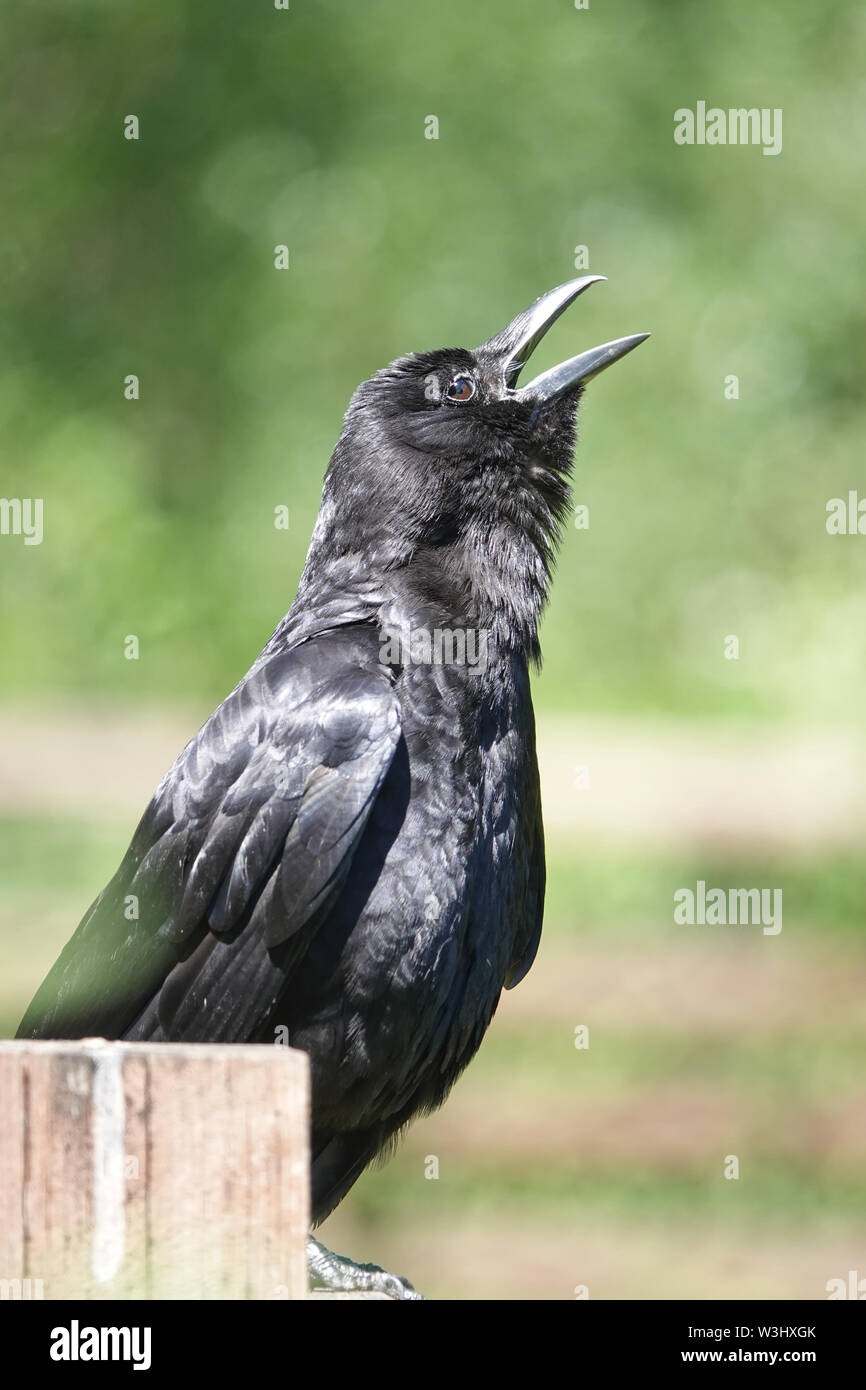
258,127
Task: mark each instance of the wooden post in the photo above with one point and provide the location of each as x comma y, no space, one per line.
164,1170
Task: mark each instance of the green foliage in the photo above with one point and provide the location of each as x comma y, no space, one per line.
306,127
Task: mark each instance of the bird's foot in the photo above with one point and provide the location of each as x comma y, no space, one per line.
335,1272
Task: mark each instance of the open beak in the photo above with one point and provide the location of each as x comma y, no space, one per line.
515,344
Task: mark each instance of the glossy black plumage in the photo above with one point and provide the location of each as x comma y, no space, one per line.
351,848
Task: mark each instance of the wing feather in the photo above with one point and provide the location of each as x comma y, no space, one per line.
243,848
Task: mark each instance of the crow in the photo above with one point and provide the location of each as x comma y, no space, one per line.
350,852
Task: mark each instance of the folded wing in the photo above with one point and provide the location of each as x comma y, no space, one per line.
240,854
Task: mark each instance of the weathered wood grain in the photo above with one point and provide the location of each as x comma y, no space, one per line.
136,1170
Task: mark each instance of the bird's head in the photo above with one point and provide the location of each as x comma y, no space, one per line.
468,407
447,453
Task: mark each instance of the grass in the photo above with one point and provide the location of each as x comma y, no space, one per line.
618,1149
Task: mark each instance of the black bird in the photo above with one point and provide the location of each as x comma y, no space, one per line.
351,848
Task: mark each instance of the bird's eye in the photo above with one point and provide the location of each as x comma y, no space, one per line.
462,388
